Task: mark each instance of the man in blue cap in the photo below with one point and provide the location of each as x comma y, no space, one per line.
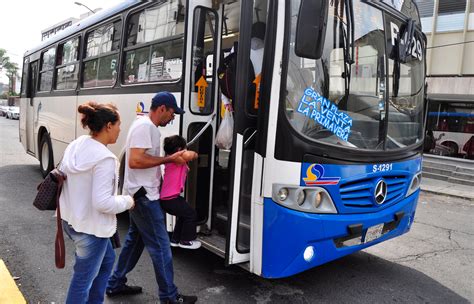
147,220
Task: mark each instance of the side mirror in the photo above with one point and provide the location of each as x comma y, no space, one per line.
311,28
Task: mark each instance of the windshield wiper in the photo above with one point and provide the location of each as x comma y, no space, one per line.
348,38
404,52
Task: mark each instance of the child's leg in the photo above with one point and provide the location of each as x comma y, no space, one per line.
185,228
169,207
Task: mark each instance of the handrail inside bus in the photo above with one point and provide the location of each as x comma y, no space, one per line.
208,123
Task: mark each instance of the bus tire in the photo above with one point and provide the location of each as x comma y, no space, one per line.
45,155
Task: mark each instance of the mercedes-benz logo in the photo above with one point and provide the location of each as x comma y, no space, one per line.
380,193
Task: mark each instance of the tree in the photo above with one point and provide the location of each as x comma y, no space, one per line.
12,73
3,58
11,70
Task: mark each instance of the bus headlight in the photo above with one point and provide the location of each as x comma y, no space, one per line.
305,199
282,194
318,199
300,197
415,184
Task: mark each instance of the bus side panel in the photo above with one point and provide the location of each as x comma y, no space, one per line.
58,116
22,123
287,233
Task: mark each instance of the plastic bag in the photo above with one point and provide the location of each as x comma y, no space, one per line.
225,132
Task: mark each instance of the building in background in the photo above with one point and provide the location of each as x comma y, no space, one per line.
54,29
449,28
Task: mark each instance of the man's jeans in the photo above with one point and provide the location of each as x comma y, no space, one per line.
147,228
94,263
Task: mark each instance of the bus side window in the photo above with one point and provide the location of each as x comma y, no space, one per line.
24,78
204,37
67,65
160,60
101,56
48,59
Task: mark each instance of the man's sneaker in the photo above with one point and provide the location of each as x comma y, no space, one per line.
124,290
190,244
174,243
182,299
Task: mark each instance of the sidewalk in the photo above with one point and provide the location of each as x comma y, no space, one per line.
9,292
446,188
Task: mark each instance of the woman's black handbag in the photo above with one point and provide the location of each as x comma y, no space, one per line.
49,190
47,198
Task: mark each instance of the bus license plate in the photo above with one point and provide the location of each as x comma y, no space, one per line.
373,233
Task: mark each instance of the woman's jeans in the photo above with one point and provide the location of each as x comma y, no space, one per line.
94,262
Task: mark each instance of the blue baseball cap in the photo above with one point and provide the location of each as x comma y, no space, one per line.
166,99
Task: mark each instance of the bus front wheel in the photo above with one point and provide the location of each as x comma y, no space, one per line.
46,155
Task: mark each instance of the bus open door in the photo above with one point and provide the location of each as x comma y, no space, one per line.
224,184
203,29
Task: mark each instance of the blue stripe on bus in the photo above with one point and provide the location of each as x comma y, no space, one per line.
451,114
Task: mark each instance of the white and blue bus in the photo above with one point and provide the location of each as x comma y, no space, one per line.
328,108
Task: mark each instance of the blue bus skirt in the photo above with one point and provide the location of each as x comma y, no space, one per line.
288,233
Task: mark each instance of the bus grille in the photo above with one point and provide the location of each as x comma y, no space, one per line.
360,193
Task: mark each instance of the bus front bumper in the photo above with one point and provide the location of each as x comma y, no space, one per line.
289,234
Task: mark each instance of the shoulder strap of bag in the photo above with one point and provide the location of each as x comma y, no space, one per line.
59,252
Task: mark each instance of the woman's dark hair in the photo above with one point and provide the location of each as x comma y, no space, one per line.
96,116
173,144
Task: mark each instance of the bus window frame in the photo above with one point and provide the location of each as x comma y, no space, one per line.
124,48
83,51
77,61
40,71
148,45
24,78
214,60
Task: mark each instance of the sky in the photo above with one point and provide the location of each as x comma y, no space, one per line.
21,22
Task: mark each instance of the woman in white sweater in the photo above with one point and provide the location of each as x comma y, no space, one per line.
89,203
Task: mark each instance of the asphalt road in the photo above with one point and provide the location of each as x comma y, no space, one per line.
433,263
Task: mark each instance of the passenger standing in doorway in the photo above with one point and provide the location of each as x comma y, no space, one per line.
147,221
89,204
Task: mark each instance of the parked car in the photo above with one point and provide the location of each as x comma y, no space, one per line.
13,113
3,110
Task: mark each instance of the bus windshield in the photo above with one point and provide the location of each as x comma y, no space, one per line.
341,98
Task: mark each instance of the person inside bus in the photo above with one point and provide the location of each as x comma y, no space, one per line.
89,203
228,69
443,125
147,221
184,234
469,148
430,142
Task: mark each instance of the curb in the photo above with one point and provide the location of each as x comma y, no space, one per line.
448,194
9,292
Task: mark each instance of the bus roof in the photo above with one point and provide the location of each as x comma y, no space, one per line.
84,23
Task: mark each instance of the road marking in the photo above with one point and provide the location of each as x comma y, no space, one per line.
9,292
